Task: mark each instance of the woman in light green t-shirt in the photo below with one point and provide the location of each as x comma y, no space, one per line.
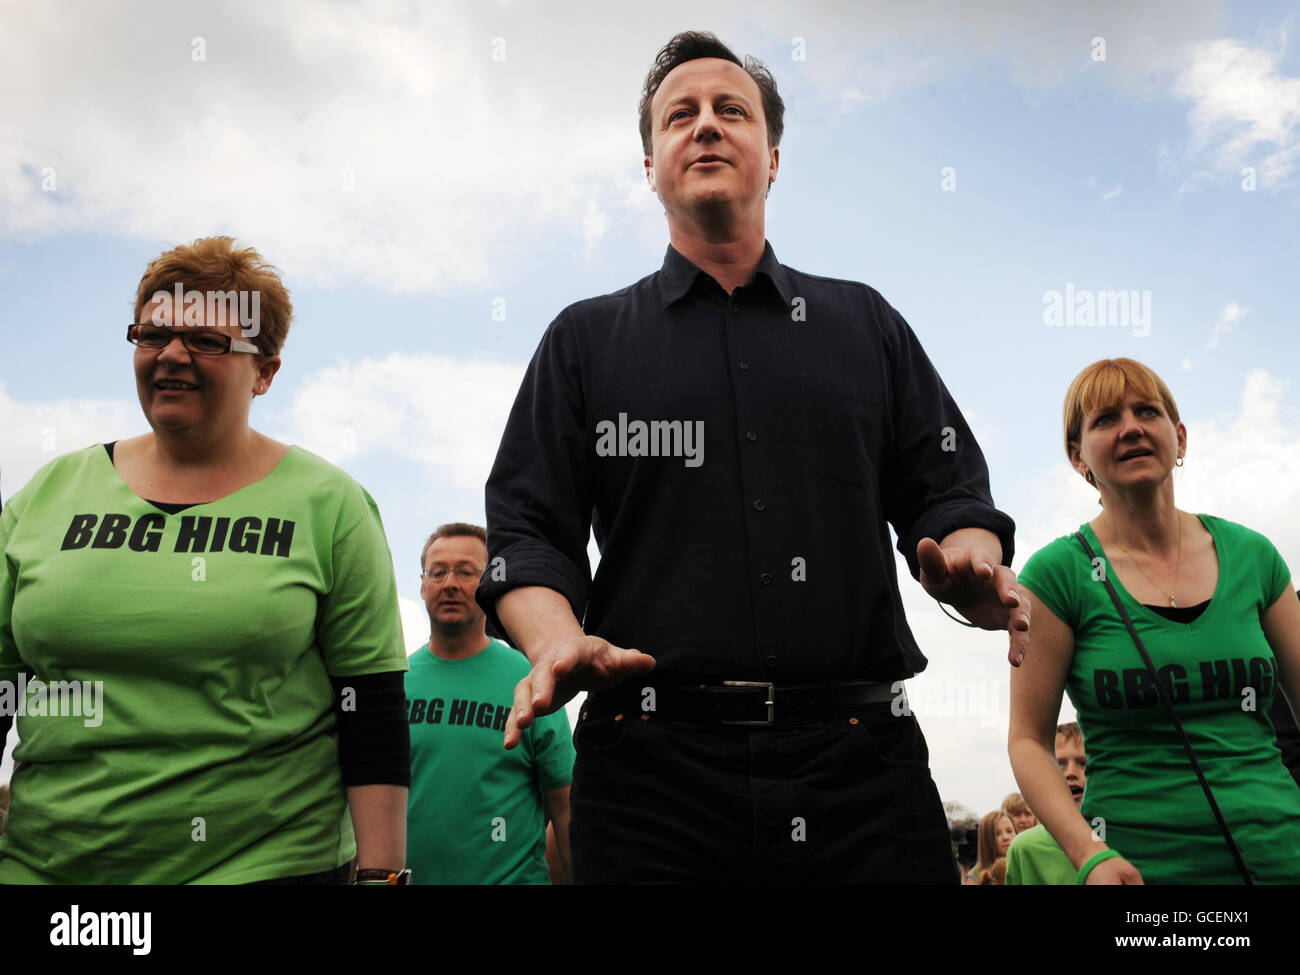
1213,604
185,616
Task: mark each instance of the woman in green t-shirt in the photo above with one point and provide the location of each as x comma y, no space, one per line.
1213,604
218,613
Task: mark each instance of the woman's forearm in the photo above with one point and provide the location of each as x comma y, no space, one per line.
379,819
1048,796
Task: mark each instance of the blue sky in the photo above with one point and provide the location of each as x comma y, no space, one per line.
403,179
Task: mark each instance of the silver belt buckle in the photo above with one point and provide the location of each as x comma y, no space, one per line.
770,702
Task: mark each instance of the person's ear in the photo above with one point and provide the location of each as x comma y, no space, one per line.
1076,461
650,173
266,371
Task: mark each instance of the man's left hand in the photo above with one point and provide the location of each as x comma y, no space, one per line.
969,578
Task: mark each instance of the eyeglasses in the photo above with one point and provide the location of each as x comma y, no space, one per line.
198,341
464,573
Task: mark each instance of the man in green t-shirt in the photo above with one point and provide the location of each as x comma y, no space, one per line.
1034,857
477,813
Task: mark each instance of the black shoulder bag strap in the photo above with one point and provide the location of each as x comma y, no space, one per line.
1169,707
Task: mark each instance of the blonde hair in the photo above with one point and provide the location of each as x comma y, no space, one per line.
1103,384
1015,805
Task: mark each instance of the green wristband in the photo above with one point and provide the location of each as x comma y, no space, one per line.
1096,858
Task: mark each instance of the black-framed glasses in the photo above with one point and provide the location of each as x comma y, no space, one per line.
197,340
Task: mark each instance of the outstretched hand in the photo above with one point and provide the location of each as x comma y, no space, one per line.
973,583
585,663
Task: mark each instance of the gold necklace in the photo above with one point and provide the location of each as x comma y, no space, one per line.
1177,563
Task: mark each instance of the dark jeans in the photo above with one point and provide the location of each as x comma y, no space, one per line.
847,800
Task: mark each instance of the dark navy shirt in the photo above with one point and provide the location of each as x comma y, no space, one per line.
762,551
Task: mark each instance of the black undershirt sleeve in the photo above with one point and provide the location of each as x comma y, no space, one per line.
374,740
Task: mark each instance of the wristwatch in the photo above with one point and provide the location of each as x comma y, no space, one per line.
389,878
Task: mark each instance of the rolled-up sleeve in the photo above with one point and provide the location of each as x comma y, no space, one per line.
939,481
538,496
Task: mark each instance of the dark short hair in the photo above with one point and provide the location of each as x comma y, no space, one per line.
692,44
452,530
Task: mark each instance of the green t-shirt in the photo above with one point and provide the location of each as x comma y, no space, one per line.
1034,858
214,631
475,814
1222,677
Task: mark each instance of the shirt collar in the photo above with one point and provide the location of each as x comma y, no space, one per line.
678,275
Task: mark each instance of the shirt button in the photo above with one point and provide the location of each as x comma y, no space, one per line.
751,435
766,578
744,366
759,505
771,660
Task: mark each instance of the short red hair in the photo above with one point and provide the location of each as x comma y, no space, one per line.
215,264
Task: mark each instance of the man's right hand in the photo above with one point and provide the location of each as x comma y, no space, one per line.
585,663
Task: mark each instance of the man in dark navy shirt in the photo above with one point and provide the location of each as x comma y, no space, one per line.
738,435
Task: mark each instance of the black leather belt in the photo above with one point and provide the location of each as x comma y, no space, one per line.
756,703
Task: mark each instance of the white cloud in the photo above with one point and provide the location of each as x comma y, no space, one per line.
32,435
450,155
1246,467
1231,315
595,223
441,415
382,142
1113,192
415,623
1244,110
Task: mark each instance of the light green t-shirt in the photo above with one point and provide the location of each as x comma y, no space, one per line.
1222,676
213,634
1035,859
475,813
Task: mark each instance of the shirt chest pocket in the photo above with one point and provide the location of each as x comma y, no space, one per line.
841,423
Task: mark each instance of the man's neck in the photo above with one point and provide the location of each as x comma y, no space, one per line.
730,257
458,646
